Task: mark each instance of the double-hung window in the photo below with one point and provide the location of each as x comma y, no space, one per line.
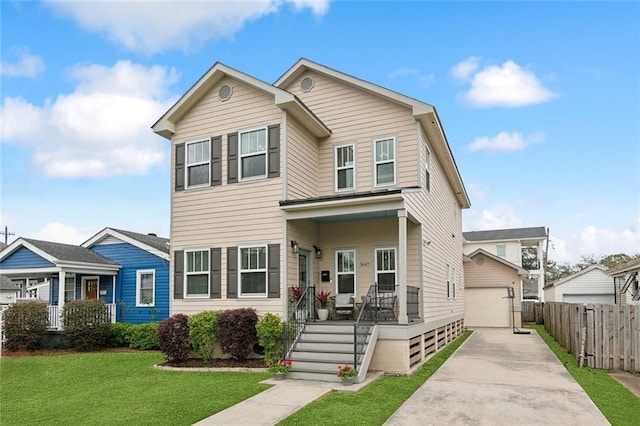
453,283
386,269
197,273
385,161
145,287
253,154
253,271
427,173
346,271
345,167
69,288
198,163
501,251
448,281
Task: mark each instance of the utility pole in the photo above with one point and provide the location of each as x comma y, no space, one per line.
6,234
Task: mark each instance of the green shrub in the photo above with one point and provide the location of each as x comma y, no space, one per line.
237,332
203,331
269,330
144,336
24,324
119,335
87,324
173,337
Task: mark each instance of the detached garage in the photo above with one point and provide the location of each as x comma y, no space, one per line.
487,280
591,285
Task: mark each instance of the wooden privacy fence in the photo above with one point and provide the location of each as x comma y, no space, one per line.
607,336
532,311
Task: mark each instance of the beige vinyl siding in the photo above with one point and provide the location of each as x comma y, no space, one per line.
305,232
230,214
440,215
513,249
492,274
355,116
302,161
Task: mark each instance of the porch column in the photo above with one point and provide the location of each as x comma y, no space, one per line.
402,267
113,300
61,288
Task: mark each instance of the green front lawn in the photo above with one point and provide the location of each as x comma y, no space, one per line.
375,403
617,403
114,388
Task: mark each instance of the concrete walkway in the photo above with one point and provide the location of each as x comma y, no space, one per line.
498,378
279,402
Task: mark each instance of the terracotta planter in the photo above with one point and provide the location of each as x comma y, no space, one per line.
323,314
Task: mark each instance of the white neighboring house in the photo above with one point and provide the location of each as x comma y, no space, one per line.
524,247
9,291
626,282
591,285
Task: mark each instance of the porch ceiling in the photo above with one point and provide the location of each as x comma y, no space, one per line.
356,216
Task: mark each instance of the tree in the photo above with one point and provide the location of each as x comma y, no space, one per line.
555,271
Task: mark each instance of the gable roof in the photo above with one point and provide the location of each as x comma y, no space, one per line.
576,275
533,233
519,270
424,113
165,126
630,266
7,284
158,246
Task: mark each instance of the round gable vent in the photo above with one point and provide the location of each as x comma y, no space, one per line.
479,260
306,84
225,92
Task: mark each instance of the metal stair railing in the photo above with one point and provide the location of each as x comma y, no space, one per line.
362,325
302,305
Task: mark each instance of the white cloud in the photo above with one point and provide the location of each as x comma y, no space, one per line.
500,216
424,80
464,69
504,142
477,191
101,129
502,86
153,26
60,233
27,66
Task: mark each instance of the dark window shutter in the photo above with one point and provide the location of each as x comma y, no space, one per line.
274,270
178,274
232,272
232,158
215,273
216,160
180,167
274,151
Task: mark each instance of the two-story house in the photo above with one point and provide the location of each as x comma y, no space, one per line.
320,180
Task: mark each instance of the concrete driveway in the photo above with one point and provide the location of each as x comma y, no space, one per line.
498,378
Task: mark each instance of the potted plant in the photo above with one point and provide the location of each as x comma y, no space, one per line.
347,373
280,368
323,300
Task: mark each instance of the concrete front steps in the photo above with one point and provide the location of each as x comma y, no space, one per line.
322,347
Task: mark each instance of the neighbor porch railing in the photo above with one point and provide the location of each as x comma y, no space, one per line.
301,307
54,315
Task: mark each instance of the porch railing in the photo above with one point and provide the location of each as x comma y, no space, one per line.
362,325
301,307
54,315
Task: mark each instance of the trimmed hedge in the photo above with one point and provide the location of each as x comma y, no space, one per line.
269,329
144,336
86,324
119,335
203,331
24,324
173,336
237,332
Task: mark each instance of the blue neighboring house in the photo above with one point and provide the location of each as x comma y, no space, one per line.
127,270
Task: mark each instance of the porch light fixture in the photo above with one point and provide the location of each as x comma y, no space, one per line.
294,246
318,252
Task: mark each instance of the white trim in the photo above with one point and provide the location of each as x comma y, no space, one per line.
198,163
395,261
336,168
139,274
83,285
448,280
376,162
355,270
75,283
265,270
187,273
253,154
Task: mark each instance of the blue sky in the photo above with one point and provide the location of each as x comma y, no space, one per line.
540,103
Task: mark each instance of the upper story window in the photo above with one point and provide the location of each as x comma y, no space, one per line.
253,271
427,173
345,167
253,154
198,158
501,251
145,287
197,273
385,161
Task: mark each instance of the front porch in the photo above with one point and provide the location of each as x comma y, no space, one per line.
55,315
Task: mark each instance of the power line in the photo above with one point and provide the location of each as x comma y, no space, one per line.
6,234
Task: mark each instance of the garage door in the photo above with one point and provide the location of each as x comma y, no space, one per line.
588,298
487,307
